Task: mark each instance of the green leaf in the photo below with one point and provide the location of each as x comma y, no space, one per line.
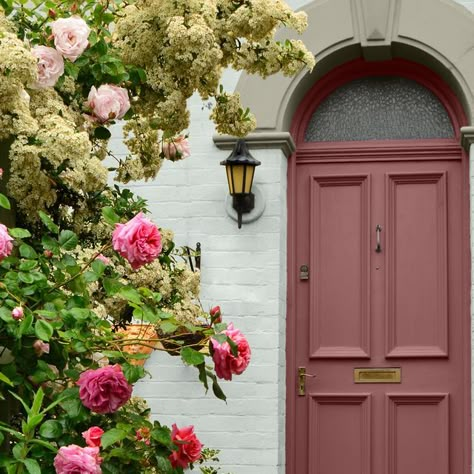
4,202
37,401
32,466
26,251
110,215
98,266
220,327
26,278
191,356
168,327
51,429
112,436
162,435
130,294
43,330
49,243
19,233
2,437
5,379
102,133
28,265
48,222
71,69
133,373
68,240
111,286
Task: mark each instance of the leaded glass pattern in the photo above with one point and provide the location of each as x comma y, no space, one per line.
379,108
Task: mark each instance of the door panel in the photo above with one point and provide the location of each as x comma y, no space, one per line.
417,265
339,247
400,307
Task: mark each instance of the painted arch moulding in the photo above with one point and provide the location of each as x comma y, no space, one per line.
438,34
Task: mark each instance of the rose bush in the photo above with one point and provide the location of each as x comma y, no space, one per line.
81,262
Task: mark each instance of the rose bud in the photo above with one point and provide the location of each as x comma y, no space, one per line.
216,316
17,313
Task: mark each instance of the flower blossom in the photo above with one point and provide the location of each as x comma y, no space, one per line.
176,148
139,241
225,363
6,245
73,459
189,447
41,347
104,390
17,313
108,102
70,36
50,66
143,434
105,260
93,436
216,315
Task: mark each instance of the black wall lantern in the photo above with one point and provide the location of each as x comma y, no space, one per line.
240,169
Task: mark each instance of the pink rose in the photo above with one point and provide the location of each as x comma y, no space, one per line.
70,36
108,102
176,148
17,313
104,390
215,313
189,447
103,259
139,241
225,363
50,66
1,173
40,347
73,459
6,245
92,436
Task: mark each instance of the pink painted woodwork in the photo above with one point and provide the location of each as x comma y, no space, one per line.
406,306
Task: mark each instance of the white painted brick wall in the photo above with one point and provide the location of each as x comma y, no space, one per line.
244,271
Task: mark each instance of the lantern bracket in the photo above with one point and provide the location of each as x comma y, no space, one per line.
250,216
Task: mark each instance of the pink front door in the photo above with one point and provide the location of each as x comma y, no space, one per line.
384,243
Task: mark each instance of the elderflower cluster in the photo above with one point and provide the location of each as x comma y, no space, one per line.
183,46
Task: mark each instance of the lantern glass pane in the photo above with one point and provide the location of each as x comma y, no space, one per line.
249,178
238,178
228,170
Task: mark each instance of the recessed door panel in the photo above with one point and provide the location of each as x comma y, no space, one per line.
340,213
417,289
339,434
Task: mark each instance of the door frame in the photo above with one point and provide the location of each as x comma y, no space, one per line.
333,152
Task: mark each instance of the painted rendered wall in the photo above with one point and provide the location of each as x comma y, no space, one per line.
245,272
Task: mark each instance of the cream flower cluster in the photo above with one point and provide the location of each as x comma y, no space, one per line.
183,46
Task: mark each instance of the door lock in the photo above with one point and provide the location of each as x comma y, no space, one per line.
302,381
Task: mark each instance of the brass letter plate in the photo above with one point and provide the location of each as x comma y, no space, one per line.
378,375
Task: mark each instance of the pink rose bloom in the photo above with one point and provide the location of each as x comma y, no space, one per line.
104,390
70,36
139,241
215,313
50,66
93,436
176,148
189,447
103,259
6,245
17,313
225,363
73,459
108,102
40,347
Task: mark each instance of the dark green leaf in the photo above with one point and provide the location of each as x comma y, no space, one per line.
43,330
191,356
133,373
112,436
68,240
26,251
50,244
102,133
48,222
51,429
